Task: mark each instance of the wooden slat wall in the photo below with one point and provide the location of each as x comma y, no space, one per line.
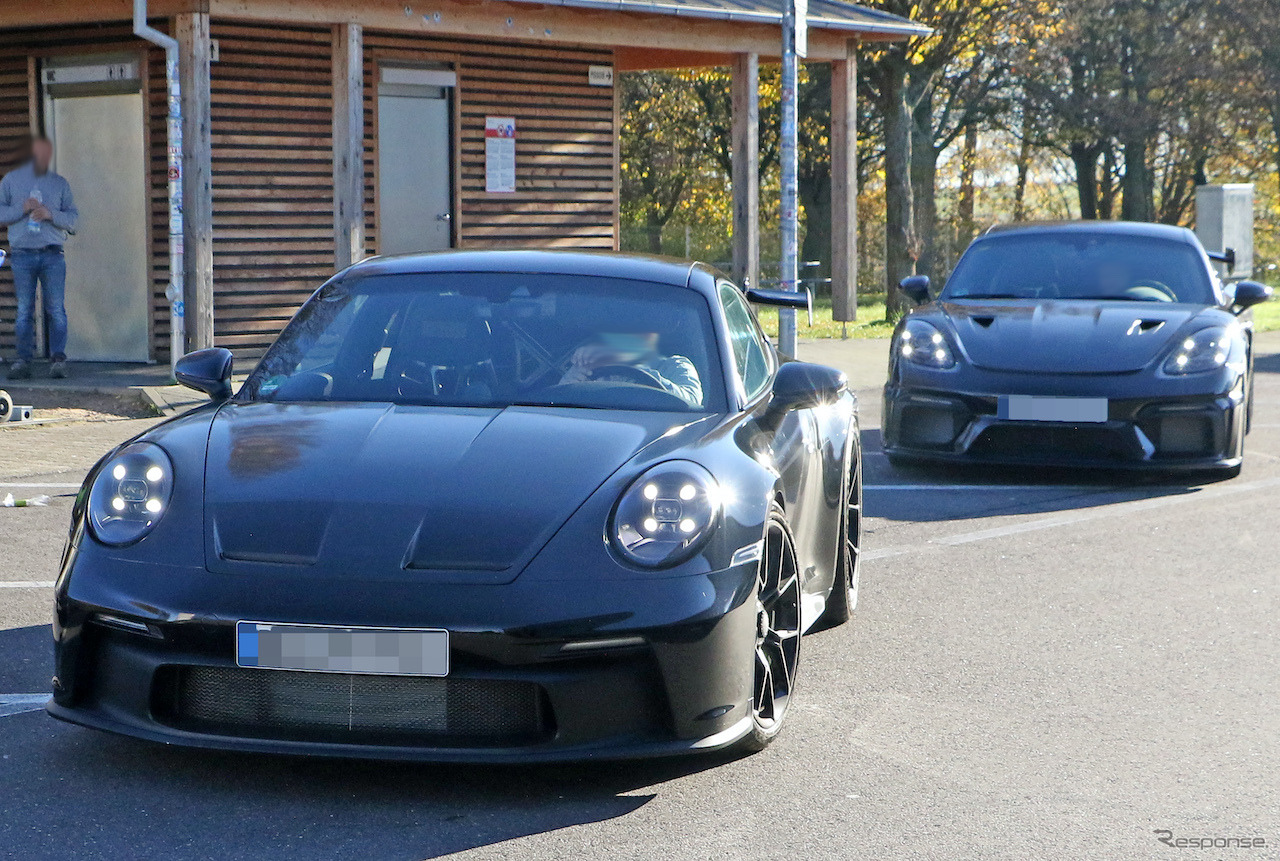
16,46
565,181
272,177
272,157
14,130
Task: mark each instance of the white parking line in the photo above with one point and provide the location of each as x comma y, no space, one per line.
14,704
26,584
19,485
1103,511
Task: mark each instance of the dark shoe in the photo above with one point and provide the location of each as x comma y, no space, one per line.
20,370
58,369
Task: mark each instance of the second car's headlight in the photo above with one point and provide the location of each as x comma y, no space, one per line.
666,515
922,344
130,494
1206,350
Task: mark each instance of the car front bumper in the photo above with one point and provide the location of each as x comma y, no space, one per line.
599,680
1184,432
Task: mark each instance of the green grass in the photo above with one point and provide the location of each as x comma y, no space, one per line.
870,322
1266,317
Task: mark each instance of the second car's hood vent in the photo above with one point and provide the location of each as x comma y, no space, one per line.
369,491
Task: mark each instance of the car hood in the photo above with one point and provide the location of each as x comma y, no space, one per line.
374,491
1073,337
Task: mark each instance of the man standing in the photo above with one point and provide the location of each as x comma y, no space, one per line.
36,205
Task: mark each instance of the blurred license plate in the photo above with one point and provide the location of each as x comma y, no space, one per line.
331,649
1026,408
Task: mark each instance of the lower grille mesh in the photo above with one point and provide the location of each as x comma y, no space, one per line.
266,702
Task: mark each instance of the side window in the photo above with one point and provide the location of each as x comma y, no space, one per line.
748,353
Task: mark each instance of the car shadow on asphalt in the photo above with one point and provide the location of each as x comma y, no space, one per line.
1268,364
929,493
107,795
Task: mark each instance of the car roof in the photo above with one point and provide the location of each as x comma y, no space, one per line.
636,267
1114,228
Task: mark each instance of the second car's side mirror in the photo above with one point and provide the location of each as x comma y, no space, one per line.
800,386
1250,293
917,288
207,371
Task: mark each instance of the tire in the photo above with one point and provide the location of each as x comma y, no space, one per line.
6,406
843,599
776,654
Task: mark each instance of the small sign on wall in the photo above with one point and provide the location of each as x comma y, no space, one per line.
600,76
499,154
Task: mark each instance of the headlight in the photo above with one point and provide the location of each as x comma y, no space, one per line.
130,494
666,514
922,344
1206,350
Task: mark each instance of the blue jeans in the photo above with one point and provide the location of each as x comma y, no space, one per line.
49,267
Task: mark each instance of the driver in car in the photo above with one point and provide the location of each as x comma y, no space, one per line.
593,362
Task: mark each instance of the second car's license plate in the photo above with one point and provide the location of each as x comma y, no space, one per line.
331,649
1028,408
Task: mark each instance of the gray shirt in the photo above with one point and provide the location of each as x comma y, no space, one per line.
55,194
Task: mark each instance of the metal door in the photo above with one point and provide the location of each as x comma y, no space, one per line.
415,188
97,131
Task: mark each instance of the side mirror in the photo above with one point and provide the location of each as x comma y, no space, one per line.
800,385
917,288
207,371
1250,293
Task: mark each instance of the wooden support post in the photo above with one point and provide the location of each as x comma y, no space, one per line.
745,95
194,49
348,144
844,186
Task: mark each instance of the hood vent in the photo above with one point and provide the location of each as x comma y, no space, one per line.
984,322
1143,326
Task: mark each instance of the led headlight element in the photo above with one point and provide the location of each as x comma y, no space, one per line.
922,344
1206,350
130,494
666,515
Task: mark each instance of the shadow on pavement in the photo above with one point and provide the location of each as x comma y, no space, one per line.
65,788
1269,364
947,489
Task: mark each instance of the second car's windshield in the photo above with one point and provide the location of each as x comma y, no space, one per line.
496,340
1080,265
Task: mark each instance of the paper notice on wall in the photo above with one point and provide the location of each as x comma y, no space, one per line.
499,154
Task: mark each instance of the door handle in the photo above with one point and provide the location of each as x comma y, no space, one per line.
444,216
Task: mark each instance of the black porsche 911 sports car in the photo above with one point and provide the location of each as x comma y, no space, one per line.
1091,344
473,506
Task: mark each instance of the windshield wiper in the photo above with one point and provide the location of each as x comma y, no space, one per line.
981,296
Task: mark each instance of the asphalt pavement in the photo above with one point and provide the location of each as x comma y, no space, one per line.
1042,665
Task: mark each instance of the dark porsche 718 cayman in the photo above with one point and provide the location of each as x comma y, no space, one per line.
1076,344
473,506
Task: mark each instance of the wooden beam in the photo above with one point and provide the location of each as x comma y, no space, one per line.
19,13
844,186
194,50
530,22
745,97
348,144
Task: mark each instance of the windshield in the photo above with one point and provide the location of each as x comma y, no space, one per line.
497,340
1079,265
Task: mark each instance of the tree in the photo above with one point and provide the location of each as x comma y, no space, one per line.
663,153
929,91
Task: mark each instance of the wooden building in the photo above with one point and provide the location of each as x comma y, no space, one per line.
320,131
